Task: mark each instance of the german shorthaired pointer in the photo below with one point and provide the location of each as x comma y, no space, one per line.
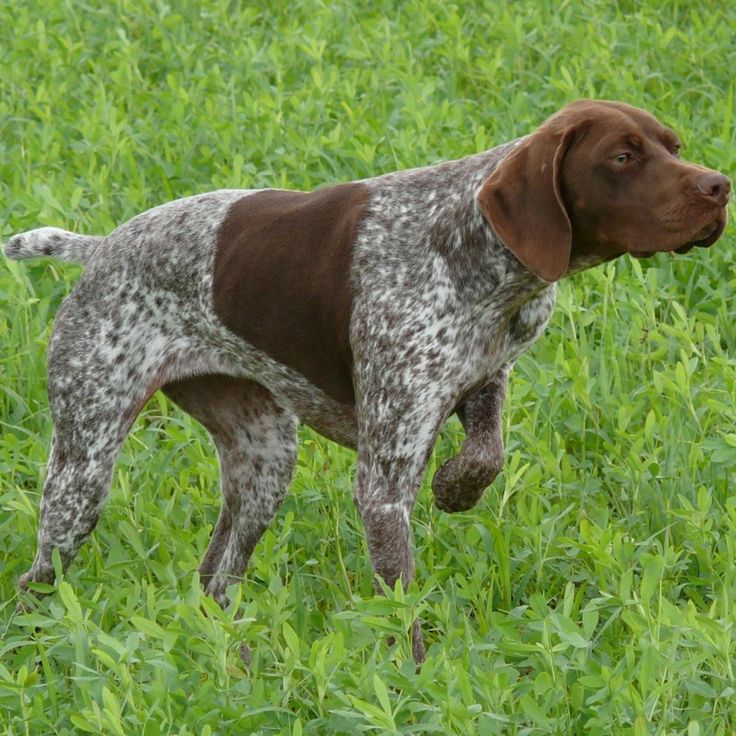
370,311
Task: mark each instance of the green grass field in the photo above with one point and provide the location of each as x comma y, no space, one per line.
591,592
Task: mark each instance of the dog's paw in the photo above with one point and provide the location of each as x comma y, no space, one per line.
24,580
39,573
458,484
25,596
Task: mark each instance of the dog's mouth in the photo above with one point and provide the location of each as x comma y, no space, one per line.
704,238
707,236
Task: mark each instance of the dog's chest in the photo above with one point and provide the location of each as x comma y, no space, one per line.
506,328
527,323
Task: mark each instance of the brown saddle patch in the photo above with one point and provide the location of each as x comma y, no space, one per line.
282,279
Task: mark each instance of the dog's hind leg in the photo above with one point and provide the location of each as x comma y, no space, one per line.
256,442
99,377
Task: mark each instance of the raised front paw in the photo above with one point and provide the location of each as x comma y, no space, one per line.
459,483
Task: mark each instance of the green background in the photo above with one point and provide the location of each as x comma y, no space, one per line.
591,591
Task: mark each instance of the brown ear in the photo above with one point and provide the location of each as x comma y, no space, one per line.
521,200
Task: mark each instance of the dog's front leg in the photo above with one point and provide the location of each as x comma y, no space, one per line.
459,483
395,440
384,495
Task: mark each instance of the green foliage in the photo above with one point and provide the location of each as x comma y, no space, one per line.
591,592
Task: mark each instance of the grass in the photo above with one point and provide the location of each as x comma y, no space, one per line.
592,590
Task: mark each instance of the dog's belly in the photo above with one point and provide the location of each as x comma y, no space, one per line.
230,355
336,422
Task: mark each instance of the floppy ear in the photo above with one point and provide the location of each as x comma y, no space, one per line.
521,200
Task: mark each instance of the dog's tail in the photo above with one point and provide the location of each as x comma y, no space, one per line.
54,243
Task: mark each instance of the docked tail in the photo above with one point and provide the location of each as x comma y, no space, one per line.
54,243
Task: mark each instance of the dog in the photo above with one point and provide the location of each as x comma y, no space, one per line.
370,310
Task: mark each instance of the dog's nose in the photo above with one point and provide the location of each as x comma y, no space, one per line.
715,186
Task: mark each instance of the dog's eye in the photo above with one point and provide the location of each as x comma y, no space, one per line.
676,150
623,158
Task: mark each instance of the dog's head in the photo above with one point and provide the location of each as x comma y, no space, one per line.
597,180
